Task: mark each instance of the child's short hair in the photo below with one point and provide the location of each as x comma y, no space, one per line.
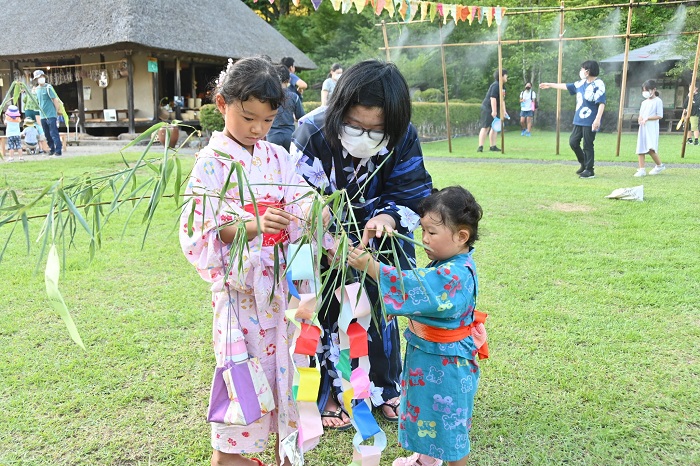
254,77
592,67
283,71
456,208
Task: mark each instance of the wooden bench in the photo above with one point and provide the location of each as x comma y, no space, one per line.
3,143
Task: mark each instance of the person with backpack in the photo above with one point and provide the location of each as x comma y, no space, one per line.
50,107
528,105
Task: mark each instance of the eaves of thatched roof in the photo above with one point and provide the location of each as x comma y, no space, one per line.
209,29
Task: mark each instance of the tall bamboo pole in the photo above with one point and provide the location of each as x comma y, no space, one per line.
386,42
444,83
693,80
623,85
501,100
559,71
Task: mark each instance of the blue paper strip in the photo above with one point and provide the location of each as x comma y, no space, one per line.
365,422
290,282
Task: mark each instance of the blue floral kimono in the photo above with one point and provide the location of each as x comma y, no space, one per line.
439,379
391,182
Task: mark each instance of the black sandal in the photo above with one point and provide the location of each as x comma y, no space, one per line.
337,414
394,407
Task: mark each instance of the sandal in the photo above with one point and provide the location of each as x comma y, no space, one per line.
338,414
417,459
260,463
394,406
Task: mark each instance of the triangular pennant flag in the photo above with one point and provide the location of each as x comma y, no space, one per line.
405,8
346,4
458,13
500,13
439,9
379,7
316,3
423,10
389,7
489,15
296,2
433,11
480,14
360,5
413,8
336,4
453,12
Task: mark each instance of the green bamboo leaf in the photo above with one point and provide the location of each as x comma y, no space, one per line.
178,181
51,275
75,212
148,134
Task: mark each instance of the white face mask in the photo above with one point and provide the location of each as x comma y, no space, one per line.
582,74
646,94
41,81
337,76
362,146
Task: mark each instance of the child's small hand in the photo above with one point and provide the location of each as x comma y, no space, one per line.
274,220
360,259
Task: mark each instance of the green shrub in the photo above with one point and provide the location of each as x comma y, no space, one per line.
211,118
429,95
429,118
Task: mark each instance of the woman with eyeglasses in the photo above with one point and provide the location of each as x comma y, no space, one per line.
364,143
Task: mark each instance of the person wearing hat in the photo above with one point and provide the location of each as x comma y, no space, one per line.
31,110
13,133
31,135
49,106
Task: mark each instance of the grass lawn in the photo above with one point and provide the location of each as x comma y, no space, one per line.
593,325
542,146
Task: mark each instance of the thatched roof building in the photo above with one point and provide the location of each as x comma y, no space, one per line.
164,49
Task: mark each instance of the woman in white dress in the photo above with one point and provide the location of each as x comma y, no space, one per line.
651,111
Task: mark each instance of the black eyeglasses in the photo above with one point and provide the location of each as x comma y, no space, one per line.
373,134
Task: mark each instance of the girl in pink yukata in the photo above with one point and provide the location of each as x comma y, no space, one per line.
248,94
444,333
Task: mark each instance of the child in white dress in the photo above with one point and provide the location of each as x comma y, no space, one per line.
651,111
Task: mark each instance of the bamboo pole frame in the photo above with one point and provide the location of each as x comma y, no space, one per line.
623,84
561,9
501,100
693,81
560,70
447,98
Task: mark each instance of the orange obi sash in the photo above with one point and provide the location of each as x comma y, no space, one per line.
443,335
269,239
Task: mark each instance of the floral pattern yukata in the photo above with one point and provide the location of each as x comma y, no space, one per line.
272,177
439,380
393,183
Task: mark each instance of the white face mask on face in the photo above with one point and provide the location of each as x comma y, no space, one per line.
646,94
582,74
41,81
362,146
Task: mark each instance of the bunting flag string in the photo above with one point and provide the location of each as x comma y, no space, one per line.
408,9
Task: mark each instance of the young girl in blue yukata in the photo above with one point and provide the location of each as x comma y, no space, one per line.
444,334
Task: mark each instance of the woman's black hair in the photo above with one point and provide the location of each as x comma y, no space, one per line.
592,67
648,85
370,83
254,77
335,67
456,208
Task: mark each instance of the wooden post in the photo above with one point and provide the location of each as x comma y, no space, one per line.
130,92
81,98
156,94
104,89
501,100
623,85
691,89
560,71
386,42
444,83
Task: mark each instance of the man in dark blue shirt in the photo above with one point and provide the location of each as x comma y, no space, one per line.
287,114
